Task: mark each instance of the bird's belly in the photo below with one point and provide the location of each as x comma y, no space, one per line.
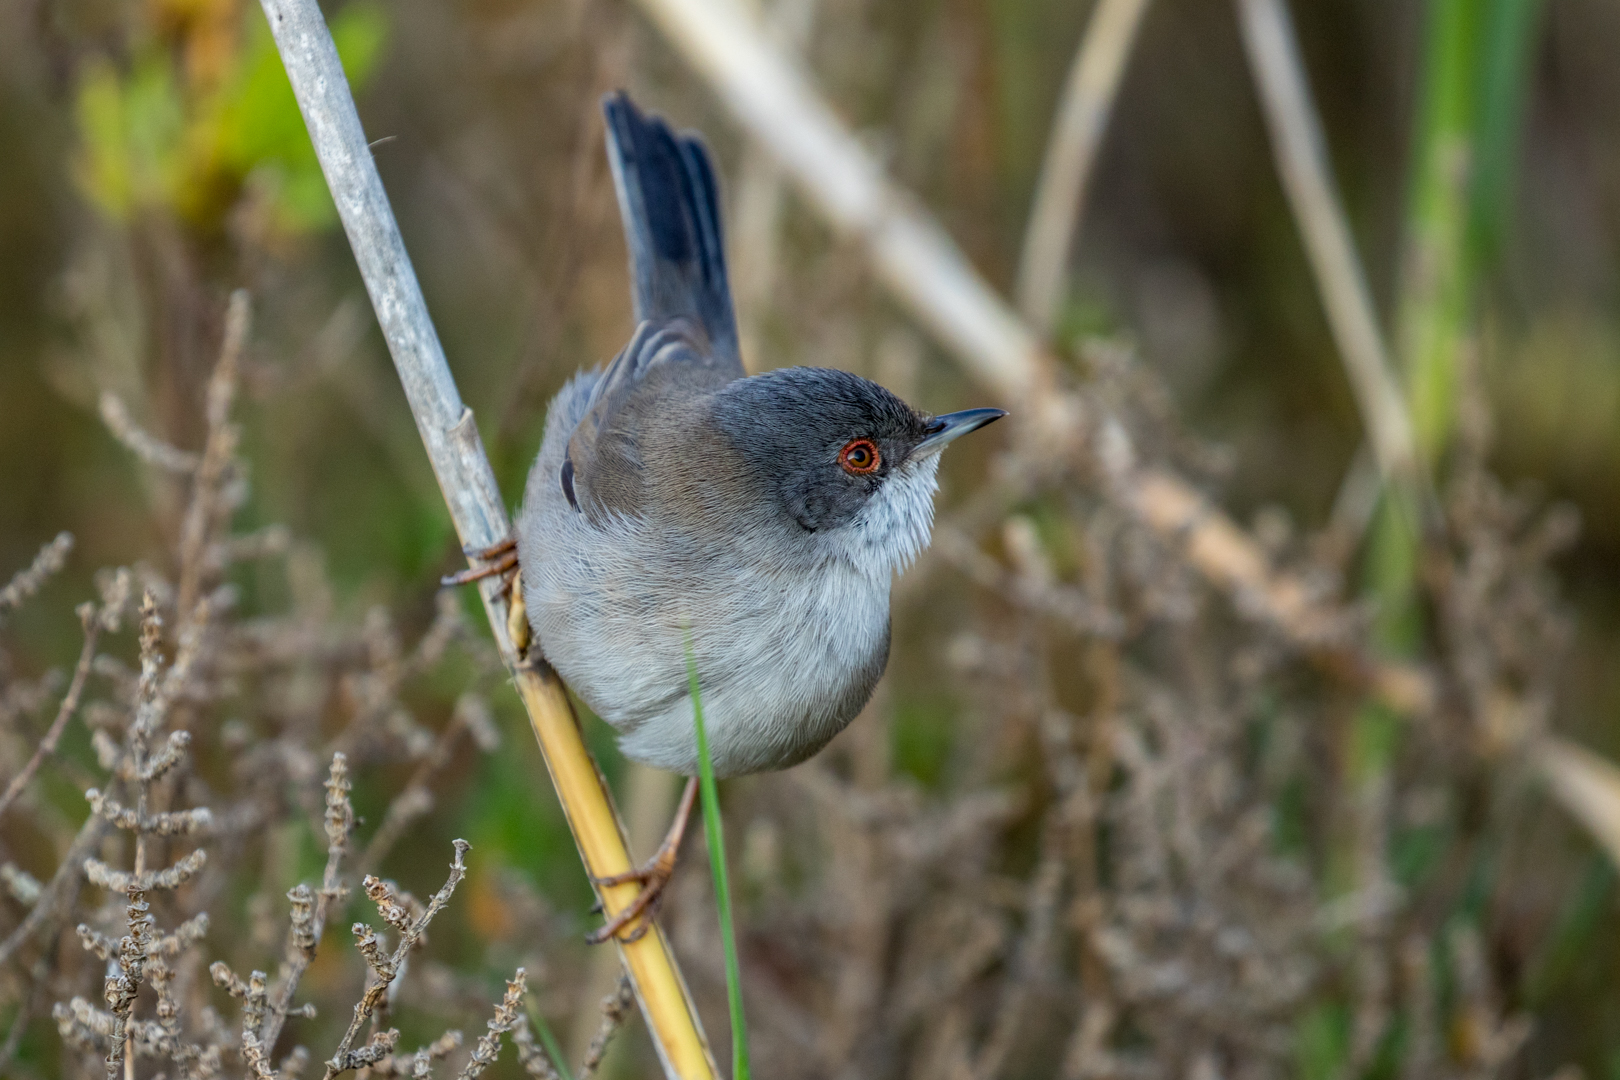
784,660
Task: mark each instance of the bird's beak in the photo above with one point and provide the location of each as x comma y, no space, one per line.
952,426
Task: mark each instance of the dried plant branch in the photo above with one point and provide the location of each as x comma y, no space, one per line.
615,1007
1071,153
29,580
309,912
202,514
70,705
507,1015
1587,785
22,886
122,987
143,444
384,966
468,483
420,1063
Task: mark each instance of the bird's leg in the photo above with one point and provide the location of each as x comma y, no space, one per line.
499,558
653,876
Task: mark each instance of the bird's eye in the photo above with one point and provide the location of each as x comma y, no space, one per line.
859,457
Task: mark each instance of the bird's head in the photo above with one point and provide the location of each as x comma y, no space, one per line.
844,459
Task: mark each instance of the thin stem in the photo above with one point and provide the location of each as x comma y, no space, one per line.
1302,163
1437,281
714,835
1071,154
64,712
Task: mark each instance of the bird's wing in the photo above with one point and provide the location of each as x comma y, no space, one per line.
646,399
685,344
669,203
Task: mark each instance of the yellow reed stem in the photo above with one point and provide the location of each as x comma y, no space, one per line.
602,847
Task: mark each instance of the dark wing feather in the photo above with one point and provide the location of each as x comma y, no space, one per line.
647,399
685,345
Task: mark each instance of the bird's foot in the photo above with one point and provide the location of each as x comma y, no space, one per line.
501,560
497,559
653,876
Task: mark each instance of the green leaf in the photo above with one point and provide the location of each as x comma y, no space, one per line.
260,131
713,833
548,1040
1322,1042
131,132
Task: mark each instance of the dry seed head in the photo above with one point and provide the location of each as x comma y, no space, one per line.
379,1046
303,918
339,812
20,884
370,946
184,936
167,758
115,588
227,980
26,582
506,1016
382,894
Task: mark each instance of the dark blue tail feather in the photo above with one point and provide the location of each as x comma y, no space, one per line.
670,204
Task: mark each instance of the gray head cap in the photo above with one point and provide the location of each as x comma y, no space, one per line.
824,440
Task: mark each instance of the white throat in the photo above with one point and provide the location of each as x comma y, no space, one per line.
894,526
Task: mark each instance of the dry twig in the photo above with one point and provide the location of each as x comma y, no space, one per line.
1071,153
1302,162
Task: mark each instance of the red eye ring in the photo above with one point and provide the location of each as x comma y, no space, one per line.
859,457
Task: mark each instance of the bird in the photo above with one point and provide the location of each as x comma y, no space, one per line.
679,507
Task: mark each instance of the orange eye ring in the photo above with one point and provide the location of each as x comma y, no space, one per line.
859,457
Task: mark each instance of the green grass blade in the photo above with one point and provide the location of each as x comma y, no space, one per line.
1507,48
548,1040
715,836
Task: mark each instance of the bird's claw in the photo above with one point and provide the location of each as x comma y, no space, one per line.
500,558
652,876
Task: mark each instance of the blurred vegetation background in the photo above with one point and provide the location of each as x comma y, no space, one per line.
152,160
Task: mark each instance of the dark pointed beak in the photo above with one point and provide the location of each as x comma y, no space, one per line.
952,426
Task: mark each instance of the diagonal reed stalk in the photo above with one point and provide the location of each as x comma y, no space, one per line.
1071,152
468,484
912,256
1301,154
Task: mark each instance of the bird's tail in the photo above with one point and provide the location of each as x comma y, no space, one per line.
671,210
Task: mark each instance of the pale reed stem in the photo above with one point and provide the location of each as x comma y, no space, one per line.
1071,155
469,488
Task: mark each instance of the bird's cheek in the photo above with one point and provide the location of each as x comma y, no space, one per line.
805,508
